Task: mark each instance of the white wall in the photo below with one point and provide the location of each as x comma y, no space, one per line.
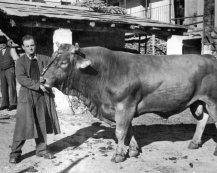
157,10
161,10
138,11
174,45
62,36
194,7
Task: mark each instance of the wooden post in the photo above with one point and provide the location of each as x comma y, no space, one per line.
139,43
146,41
215,11
170,13
125,4
146,9
153,44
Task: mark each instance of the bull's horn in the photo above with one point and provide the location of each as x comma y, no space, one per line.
58,44
77,48
83,63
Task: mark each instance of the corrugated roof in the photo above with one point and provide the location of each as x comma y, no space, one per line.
28,9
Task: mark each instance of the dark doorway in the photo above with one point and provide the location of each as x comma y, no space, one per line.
192,46
179,11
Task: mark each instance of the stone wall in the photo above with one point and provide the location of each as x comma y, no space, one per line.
210,32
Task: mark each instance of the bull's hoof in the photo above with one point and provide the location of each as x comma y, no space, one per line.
118,158
133,152
192,145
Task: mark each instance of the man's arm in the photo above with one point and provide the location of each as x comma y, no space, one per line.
23,79
14,54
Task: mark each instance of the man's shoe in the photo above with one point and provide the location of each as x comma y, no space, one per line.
47,155
3,107
15,159
12,107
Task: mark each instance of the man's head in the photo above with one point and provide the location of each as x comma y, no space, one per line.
3,42
29,45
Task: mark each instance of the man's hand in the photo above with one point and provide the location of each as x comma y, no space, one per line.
42,79
43,88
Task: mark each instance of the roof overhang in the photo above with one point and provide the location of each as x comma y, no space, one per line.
29,14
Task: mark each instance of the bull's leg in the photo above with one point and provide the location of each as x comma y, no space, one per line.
215,152
133,148
123,117
198,110
212,110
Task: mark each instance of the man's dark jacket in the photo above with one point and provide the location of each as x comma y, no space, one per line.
25,123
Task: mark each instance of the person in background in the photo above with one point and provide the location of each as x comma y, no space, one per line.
33,119
8,82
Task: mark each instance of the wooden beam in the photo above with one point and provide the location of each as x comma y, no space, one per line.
215,18
153,44
139,43
146,42
31,22
170,12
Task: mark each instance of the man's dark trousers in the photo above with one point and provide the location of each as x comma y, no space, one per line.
8,87
41,141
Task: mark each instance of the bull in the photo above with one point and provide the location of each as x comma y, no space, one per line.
120,86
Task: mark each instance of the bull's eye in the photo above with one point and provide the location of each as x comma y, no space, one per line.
64,62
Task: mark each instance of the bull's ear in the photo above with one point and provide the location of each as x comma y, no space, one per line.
82,64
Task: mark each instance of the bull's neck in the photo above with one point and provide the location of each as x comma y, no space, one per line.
75,81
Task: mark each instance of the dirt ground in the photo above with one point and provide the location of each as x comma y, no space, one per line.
86,145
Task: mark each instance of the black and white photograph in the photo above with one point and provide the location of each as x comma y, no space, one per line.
108,86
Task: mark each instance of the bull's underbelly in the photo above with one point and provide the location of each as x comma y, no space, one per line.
168,101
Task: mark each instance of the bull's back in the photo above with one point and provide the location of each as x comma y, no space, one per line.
167,83
177,82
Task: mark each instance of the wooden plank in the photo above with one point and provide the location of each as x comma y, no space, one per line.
153,44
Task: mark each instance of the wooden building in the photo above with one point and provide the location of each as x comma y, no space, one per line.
200,16
87,27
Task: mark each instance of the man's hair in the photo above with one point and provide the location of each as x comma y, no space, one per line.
28,37
3,39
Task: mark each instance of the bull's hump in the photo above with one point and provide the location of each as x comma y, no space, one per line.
95,49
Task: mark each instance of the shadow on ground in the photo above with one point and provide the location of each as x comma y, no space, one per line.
178,132
144,135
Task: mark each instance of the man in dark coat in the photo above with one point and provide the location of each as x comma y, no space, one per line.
32,118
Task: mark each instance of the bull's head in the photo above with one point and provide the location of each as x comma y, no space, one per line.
66,59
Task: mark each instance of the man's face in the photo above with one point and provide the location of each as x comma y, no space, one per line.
2,45
29,46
